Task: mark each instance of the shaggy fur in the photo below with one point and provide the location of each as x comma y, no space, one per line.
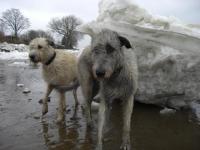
59,70
109,67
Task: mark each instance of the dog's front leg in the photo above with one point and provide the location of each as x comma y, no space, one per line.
60,107
103,108
45,99
127,113
87,92
86,82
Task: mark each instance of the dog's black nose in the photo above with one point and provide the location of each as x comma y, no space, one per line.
32,57
100,73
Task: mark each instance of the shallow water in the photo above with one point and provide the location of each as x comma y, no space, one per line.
22,128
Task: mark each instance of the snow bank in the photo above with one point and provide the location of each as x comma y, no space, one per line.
19,64
136,23
76,52
13,51
19,51
13,55
5,47
168,51
125,11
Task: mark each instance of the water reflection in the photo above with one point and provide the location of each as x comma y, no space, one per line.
71,134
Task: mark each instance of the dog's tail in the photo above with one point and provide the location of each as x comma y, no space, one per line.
74,85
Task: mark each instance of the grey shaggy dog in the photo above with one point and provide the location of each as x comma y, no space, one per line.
108,69
59,69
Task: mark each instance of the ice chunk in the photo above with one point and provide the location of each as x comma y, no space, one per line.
26,91
166,111
20,85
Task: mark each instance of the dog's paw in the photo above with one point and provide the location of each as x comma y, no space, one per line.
90,124
64,108
125,146
44,109
41,100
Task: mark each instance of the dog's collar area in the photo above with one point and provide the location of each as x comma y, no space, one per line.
51,59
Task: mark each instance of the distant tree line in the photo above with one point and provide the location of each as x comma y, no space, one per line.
31,34
12,21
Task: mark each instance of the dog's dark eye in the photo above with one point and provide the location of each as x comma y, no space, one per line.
96,52
109,48
39,46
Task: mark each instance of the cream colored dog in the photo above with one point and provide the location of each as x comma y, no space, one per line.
59,71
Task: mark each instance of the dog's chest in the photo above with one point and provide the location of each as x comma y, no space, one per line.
54,76
120,88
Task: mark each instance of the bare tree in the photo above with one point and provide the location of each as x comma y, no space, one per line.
2,26
66,28
2,31
15,21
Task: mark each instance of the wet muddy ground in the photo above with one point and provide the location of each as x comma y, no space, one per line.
21,126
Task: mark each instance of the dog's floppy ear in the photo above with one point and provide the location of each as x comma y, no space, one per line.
124,42
50,42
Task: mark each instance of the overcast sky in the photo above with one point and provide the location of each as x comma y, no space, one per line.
41,11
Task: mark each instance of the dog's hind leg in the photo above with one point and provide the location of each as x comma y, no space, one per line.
75,96
60,116
45,99
127,113
64,105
